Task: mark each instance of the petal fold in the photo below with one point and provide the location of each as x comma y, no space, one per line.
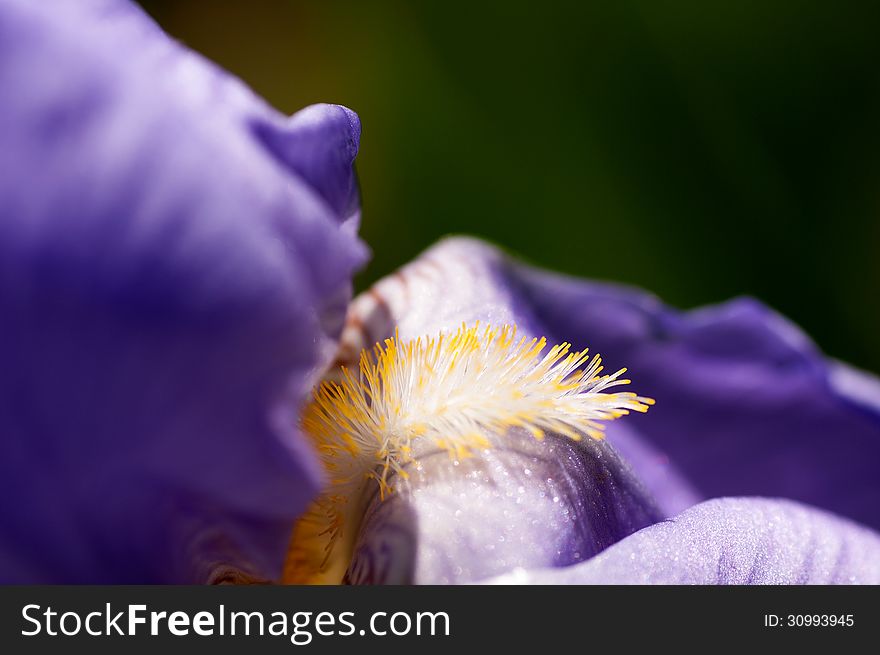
320,144
520,503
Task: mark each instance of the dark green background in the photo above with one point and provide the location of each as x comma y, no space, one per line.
698,149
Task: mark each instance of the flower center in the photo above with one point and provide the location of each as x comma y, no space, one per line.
451,392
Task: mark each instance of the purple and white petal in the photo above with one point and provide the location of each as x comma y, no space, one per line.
746,404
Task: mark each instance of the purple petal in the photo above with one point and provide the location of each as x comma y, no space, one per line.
522,503
745,402
731,541
172,282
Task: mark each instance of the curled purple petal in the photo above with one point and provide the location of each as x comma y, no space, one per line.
731,541
171,287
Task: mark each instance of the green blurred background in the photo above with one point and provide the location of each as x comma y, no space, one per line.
699,149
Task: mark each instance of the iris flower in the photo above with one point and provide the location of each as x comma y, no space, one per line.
187,393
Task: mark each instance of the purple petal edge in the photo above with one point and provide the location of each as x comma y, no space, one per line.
731,541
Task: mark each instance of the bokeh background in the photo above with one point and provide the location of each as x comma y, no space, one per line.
698,149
